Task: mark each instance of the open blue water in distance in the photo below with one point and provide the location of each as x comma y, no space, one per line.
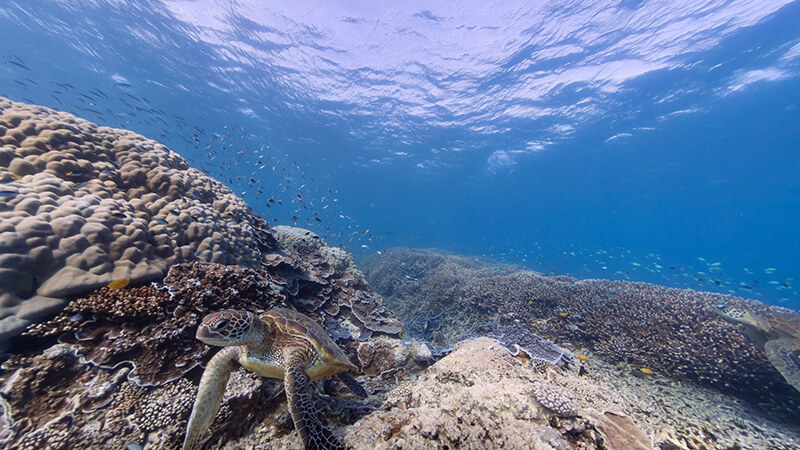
649,141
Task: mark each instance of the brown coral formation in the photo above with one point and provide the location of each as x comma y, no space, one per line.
53,400
325,281
83,205
151,330
669,331
131,356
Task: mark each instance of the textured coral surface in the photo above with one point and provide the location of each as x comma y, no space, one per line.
479,396
83,205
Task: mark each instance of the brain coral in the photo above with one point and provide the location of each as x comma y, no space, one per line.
82,205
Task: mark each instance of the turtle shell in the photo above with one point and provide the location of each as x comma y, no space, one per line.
330,359
782,323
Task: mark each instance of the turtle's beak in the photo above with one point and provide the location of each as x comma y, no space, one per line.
205,334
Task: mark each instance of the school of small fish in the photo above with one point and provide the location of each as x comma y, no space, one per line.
286,192
277,187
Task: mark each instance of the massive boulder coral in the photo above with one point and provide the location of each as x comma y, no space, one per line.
82,205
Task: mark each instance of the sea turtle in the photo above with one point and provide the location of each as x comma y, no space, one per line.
777,330
280,343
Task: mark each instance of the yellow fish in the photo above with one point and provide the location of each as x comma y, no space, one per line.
647,371
118,284
582,357
563,314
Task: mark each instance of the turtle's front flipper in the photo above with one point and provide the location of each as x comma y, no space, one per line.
786,358
209,396
309,420
351,383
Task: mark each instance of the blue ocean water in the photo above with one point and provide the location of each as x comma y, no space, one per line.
648,141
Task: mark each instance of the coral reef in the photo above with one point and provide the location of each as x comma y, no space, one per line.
681,414
54,400
669,331
107,367
83,205
88,366
156,337
479,396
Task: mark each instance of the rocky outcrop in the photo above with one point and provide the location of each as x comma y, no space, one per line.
479,396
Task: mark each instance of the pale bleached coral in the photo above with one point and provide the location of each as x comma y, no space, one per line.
479,396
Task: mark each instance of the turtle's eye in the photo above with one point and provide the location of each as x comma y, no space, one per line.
220,324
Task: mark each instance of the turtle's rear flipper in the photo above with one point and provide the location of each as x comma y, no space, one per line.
309,420
351,383
786,358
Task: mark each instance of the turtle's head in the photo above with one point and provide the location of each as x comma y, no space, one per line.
226,328
731,313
